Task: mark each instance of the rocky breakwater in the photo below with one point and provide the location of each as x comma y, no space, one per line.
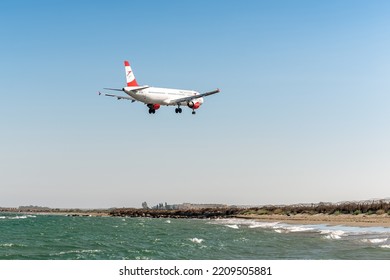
204,213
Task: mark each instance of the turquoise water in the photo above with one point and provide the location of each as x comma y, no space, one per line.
59,237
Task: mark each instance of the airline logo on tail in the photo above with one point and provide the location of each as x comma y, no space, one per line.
130,78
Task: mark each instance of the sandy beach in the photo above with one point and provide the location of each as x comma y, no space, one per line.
361,220
342,219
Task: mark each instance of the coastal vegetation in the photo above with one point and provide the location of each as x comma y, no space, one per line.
378,207
366,208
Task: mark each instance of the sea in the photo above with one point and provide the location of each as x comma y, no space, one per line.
57,237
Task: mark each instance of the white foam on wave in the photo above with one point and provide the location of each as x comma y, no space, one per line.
378,240
376,235
233,226
332,234
77,252
375,240
299,229
385,246
263,225
18,217
168,221
196,240
285,228
7,245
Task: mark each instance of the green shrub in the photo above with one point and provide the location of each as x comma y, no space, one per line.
278,211
357,212
262,212
380,212
250,212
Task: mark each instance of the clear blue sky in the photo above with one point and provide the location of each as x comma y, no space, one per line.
303,115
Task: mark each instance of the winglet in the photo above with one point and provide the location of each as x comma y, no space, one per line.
130,78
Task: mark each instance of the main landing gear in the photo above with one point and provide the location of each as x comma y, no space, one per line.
178,110
152,111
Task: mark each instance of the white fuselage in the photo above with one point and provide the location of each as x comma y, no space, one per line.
162,96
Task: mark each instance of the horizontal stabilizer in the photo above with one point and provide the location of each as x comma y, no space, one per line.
117,89
118,96
134,88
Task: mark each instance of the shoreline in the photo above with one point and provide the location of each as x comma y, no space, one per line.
361,220
332,220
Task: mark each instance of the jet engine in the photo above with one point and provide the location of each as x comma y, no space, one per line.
193,105
154,106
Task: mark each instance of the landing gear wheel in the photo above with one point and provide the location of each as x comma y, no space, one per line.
178,110
193,112
152,111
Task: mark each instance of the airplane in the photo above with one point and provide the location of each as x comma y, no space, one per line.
155,97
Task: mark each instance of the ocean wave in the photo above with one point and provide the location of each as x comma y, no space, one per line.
332,234
196,240
263,225
12,245
17,217
377,236
76,252
7,245
375,240
298,228
385,246
233,226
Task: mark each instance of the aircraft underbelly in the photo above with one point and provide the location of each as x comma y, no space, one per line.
161,96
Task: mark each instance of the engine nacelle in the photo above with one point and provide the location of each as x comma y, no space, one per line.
193,105
154,106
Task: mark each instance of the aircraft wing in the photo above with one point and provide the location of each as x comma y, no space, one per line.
118,96
189,98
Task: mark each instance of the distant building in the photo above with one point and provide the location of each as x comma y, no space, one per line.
33,208
185,206
199,206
